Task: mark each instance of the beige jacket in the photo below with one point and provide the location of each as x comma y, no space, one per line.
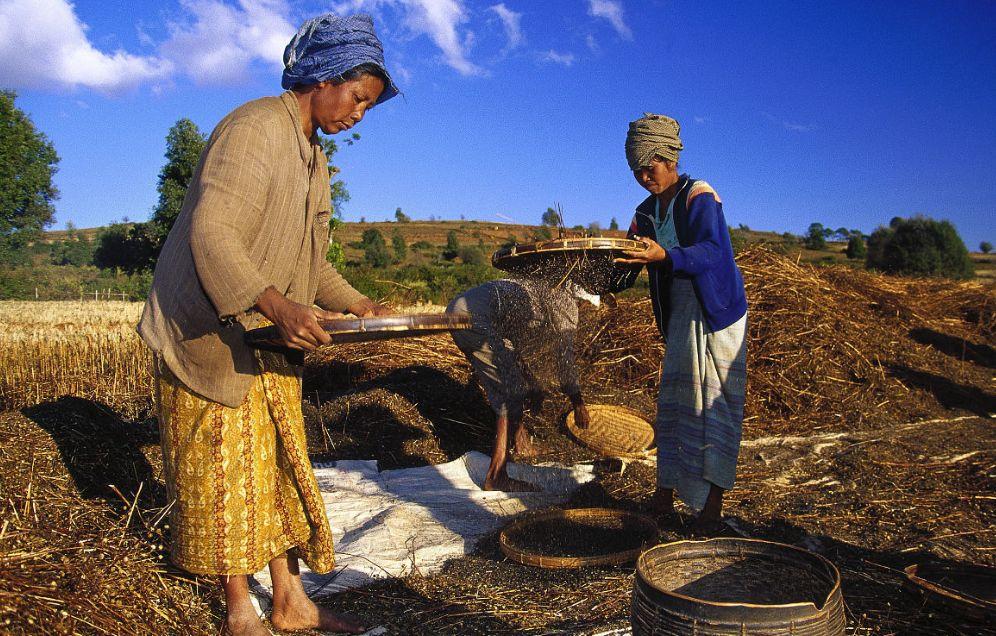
256,214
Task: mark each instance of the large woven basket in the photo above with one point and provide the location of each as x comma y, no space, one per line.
614,431
641,529
587,262
736,586
968,590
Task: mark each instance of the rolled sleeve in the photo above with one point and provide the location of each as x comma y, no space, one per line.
232,187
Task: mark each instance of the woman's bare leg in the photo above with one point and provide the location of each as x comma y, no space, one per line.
497,476
712,512
293,610
241,618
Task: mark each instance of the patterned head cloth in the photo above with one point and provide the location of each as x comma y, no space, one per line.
327,46
650,136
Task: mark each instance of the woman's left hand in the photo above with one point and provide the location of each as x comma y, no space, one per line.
366,308
652,253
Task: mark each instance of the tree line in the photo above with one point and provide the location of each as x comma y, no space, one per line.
28,161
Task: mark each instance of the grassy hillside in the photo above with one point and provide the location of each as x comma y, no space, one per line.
423,275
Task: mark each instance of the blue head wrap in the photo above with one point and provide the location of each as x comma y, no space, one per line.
327,46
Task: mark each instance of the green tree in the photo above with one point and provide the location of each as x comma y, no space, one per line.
613,224
27,163
551,218
374,248
816,237
856,247
542,233
472,255
986,247
919,246
401,217
400,249
184,144
594,228
127,246
72,251
452,246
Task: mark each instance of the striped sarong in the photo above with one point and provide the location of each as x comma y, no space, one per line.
700,407
241,485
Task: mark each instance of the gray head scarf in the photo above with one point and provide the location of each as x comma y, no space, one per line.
650,136
327,46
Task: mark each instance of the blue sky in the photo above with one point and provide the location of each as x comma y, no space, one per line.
847,113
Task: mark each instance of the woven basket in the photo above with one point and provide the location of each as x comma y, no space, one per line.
736,586
587,262
966,589
592,521
614,431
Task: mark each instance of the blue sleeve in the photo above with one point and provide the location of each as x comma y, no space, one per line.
706,232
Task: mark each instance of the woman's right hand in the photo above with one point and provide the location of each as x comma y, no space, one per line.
297,323
652,252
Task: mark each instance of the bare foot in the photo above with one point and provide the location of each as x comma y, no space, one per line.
709,528
304,614
507,484
244,624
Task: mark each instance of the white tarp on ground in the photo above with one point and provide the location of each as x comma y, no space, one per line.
390,523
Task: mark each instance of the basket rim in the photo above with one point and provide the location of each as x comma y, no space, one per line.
572,428
948,595
568,244
526,557
641,577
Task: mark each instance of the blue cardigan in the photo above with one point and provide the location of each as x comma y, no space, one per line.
705,256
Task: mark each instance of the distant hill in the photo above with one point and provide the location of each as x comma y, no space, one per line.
492,235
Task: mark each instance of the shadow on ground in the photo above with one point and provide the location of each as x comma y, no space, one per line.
960,348
101,450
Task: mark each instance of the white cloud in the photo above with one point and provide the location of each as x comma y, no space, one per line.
559,58
44,44
440,20
512,22
592,43
218,42
612,11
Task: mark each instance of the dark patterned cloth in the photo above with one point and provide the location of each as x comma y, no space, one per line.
327,46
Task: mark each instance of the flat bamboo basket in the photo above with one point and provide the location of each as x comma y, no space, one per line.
644,527
614,431
966,589
736,586
588,262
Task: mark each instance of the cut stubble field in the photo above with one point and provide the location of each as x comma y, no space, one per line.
868,437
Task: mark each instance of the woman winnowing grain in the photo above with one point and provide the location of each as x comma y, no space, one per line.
700,308
249,244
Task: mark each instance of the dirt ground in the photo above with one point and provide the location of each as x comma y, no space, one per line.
896,465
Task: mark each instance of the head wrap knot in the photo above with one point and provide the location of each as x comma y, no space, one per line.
651,136
327,46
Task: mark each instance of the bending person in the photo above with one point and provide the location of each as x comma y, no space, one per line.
701,311
248,245
518,326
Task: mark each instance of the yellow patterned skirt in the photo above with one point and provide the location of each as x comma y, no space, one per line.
242,487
